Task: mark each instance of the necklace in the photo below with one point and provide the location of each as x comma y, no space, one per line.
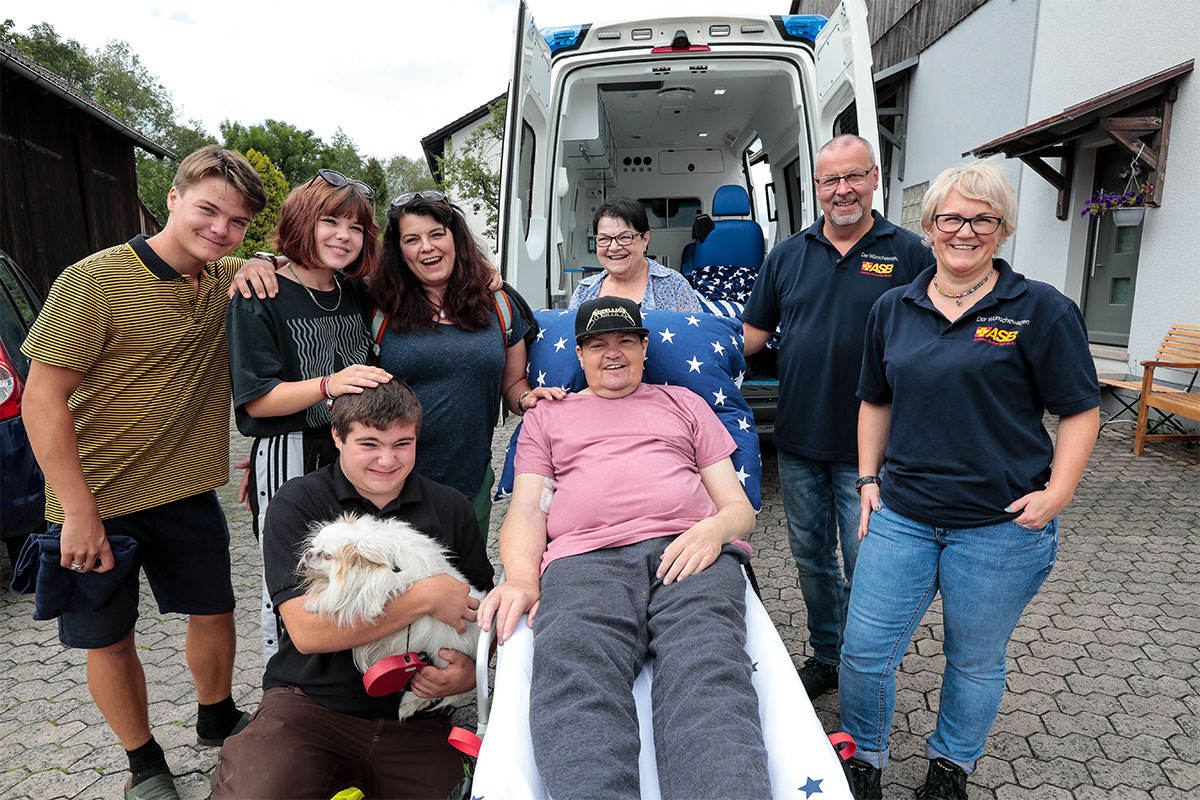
438,307
336,305
957,298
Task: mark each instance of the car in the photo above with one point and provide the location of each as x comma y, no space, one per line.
713,123
22,485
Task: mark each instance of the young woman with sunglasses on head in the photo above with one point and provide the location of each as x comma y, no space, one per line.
445,337
290,355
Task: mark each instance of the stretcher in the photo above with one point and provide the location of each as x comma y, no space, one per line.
803,762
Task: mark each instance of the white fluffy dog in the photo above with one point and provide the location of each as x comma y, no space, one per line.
356,564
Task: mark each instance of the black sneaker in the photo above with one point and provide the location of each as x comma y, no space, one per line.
944,781
818,677
864,780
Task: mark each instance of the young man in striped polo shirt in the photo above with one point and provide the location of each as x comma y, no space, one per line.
127,407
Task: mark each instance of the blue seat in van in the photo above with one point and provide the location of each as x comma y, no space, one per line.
732,242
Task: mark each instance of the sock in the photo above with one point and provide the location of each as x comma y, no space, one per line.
216,721
146,761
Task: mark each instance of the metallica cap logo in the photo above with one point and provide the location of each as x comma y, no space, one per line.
606,315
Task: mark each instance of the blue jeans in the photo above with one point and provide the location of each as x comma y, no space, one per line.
986,575
820,502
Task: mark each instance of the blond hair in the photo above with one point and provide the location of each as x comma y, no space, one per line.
980,181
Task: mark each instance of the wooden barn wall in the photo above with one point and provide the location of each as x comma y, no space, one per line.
68,184
900,29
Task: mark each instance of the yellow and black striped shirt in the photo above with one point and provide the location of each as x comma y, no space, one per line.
152,410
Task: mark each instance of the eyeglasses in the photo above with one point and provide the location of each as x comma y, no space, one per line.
624,239
952,223
337,179
401,200
853,179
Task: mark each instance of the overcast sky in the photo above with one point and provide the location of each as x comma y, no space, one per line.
395,72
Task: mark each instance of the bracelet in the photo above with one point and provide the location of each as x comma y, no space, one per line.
325,387
520,400
864,481
268,257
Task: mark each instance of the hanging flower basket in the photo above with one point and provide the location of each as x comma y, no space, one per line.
1132,199
1129,217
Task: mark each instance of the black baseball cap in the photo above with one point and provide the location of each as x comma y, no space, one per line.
607,315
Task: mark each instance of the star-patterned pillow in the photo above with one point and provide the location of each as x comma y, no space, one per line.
699,351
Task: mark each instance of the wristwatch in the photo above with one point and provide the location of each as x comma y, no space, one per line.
520,400
268,257
865,480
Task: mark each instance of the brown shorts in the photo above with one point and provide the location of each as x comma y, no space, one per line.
296,748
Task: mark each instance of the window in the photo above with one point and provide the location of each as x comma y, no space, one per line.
670,212
525,176
910,213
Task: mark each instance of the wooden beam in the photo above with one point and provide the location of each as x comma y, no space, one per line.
1161,140
1131,123
1135,147
1059,180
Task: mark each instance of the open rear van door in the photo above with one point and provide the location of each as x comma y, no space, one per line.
524,258
843,53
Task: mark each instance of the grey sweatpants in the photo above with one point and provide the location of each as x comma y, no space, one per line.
601,615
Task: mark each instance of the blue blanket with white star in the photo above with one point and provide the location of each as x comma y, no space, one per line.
700,351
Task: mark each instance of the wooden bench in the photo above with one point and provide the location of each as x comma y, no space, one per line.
1180,349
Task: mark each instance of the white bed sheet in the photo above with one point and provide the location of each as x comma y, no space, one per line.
802,762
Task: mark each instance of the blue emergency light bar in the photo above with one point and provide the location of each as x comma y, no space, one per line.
804,27
564,38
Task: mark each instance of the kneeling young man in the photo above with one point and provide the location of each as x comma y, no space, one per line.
316,730
620,540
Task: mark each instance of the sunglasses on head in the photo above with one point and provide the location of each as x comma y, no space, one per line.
401,200
338,180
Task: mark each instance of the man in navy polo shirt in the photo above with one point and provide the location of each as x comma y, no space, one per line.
818,286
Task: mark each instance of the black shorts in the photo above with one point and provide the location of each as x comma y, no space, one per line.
184,548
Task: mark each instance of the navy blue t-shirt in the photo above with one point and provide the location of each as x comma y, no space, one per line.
821,298
966,436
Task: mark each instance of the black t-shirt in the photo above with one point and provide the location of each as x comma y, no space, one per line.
438,511
820,299
290,338
966,436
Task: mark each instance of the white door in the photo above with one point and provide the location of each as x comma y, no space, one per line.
524,166
843,50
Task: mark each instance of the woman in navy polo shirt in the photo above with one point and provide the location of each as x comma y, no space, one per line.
958,368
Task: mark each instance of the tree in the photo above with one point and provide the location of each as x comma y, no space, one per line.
406,174
471,174
375,176
342,154
125,87
258,233
42,43
297,154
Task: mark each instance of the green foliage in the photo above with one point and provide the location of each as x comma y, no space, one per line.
375,176
406,174
125,87
471,174
297,154
67,58
258,234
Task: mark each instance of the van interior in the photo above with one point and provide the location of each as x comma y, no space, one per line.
672,137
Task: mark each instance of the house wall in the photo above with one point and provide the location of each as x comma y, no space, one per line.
1078,57
969,87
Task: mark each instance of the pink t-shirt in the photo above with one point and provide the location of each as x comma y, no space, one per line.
625,470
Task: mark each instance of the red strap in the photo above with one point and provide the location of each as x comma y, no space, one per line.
843,738
504,320
464,741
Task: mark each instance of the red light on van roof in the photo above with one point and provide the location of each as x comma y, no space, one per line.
695,48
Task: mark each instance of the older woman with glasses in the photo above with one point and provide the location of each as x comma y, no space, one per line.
451,338
622,237
961,485
290,355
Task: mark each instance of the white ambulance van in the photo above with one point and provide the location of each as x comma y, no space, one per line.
675,112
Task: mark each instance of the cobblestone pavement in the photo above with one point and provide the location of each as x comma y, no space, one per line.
1103,692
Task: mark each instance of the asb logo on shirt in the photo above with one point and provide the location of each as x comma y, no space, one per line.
993,335
877,268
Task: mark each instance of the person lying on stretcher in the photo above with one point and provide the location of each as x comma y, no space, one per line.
621,543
